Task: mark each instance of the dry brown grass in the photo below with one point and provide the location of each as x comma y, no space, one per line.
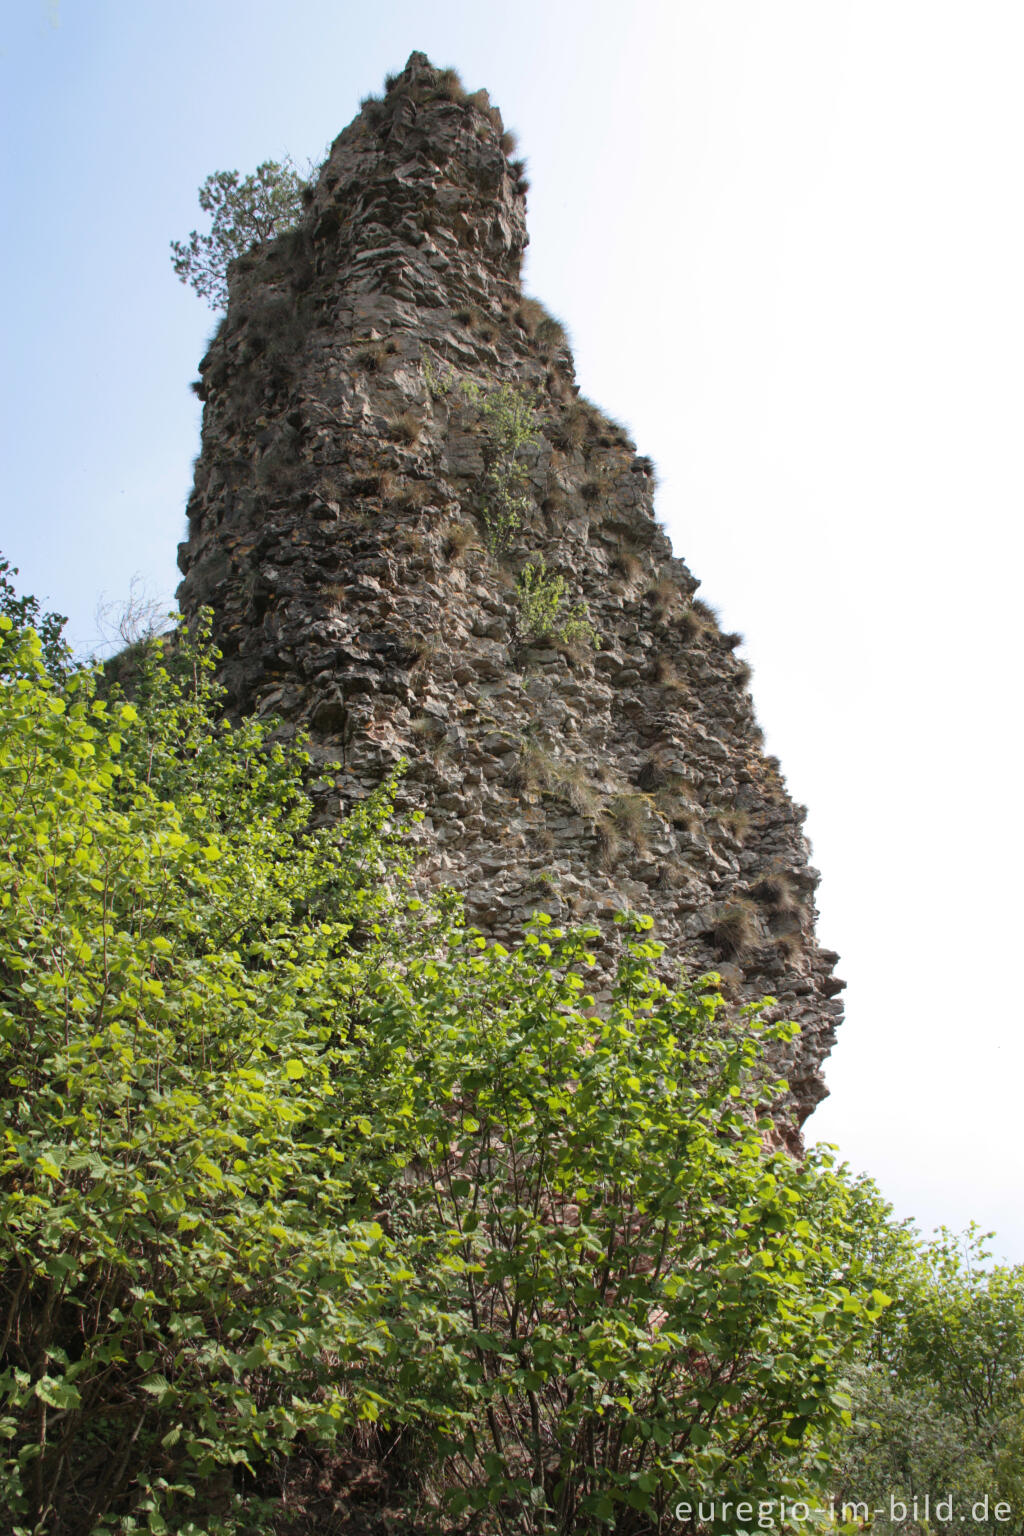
569,430
667,675
631,815
406,428
666,598
458,538
627,563
777,891
449,87
733,930
414,494
735,821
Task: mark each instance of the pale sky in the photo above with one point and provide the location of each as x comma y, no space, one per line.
788,241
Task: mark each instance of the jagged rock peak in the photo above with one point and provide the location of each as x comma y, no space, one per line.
395,455
425,171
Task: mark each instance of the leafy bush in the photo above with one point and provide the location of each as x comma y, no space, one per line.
54,653
510,420
543,608
172,985
644,1303
938,1400
286,1152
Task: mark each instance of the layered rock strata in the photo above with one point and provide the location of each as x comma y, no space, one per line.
392,436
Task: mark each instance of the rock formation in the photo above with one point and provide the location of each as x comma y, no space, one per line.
392,436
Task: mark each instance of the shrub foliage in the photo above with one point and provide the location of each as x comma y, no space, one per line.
288,1153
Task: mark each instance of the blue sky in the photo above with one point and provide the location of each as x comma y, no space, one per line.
787,241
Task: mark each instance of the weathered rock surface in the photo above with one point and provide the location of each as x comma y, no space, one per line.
343,528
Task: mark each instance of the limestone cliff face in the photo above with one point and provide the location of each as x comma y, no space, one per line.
362,511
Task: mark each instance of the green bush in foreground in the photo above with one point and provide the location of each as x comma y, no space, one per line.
286,1152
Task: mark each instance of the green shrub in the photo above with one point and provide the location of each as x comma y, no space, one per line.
173,1139
644,1304
55,653
510,427
543,608
285,1154
938,1399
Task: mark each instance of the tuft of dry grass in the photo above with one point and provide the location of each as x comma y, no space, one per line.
509,142
608,841
666,598
538,770
528,314
735,820
369,358
733,930
667,675
406,428
551,331
458,538
575,787
414,494
449,87
776,891
570,431
533,771
628,564
690,627
631,814
705,612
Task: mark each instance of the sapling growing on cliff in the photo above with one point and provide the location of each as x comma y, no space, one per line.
511,426
246,211
544,609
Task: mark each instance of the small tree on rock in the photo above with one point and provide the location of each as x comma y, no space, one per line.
246,211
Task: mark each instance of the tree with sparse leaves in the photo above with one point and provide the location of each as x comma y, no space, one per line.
246,211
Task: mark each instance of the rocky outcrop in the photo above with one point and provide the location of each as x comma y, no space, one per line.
392,436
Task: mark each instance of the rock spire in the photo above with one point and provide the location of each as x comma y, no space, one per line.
411,527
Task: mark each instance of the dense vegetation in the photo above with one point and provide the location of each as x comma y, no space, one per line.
300,1175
